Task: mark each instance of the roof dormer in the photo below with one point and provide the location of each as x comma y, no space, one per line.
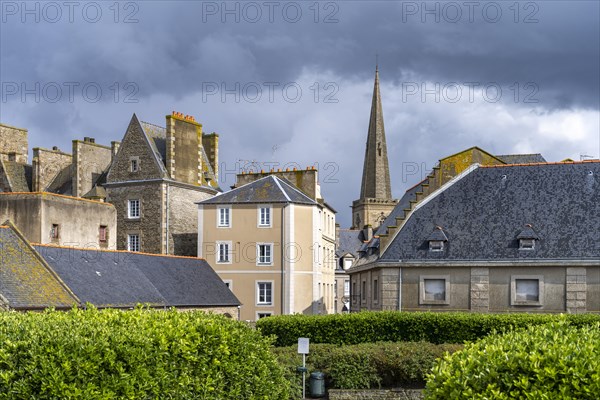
437,239
527,238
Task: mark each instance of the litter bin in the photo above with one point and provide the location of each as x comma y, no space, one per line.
316,384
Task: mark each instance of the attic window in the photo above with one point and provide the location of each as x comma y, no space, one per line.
134,164
54,231
437,239
527,238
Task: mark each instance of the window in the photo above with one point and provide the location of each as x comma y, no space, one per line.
224,251
264,216
347,288
434,289
527,290
102,234
261,315
526,244
354,292
133,209
54,231
134,164
375,290
228,283
224,217
363,293
133,242
264,256
264,295
348,262
436,245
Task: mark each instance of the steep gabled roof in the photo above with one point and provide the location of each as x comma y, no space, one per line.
269,189
484,211
124,279
19,175
349,241
25,281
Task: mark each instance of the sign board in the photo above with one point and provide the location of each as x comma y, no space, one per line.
303,345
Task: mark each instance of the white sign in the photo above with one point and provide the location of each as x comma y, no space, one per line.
303,345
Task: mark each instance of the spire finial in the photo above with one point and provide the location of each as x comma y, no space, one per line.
376,62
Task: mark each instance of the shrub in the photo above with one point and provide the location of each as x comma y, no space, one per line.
393,326
142,353
554,361
364,366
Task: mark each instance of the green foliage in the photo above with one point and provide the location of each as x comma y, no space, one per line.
364,366
134,354
554,361
393,326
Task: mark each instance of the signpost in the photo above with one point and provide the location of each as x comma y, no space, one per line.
303,344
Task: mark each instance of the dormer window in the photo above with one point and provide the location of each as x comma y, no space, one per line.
527,238
437,239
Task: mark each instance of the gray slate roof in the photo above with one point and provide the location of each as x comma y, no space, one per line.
483,213
269,189
398,211
124,279
349,241
522,158
19,175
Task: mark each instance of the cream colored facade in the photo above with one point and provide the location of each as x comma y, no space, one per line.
299,274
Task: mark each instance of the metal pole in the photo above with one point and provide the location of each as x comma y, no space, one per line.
303,376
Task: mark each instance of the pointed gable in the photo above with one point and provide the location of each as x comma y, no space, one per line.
136,144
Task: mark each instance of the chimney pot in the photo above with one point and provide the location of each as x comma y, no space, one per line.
55,148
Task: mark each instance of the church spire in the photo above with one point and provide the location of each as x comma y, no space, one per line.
376,171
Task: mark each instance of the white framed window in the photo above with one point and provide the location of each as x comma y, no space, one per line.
261,315
228,283
526,290
264,293
223,253
526,244
264,216
434,289
264,254
347,288
436,245
133,242
224,217
133,208
134,164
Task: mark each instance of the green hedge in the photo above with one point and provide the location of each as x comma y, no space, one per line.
554,361
393,326
364,366
134,354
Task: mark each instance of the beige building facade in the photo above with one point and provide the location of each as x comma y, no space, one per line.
273,245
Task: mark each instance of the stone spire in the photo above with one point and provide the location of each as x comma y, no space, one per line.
376,171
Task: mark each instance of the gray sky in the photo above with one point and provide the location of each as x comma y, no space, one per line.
290,83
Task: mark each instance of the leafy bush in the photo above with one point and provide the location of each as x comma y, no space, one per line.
364,366
393,326
142,353
554,361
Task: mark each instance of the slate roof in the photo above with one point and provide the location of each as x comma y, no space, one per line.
124,279
437,235
19,175
349,241
522,158
270,189
483,213
25,282
398,211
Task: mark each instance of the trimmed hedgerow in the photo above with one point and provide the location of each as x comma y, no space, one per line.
365,366
393,326
137,354
554,361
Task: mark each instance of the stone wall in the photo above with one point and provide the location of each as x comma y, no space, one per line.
576,290
228,311
184,149
90,160
210,142
149,226
13,140
47,166
480,289
372,394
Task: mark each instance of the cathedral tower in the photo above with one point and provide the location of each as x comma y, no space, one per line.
375,202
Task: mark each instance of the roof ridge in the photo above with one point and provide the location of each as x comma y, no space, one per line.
281,188
518,154
57,195
150,123
115,251
541,163
293,187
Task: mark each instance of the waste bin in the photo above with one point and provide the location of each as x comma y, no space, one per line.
316,384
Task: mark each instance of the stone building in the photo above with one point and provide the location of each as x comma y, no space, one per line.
273,243
157,175
375,202
494,238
